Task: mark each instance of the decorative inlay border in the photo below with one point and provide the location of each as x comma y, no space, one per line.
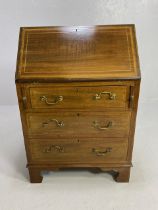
131,55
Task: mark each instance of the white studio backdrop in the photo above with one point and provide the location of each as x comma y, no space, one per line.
143,13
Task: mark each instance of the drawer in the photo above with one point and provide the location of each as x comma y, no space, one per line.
78,124
76,150
79,97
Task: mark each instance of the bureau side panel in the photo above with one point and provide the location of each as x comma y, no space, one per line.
135,94
22,106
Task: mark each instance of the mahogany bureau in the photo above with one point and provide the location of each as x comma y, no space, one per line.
78,91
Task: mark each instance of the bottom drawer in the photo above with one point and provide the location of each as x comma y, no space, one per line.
78,150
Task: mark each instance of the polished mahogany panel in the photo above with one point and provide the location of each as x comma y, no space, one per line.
76,150
81,52
78,124
92,97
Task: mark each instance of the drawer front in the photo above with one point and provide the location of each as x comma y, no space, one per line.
78,124
93,150
79,97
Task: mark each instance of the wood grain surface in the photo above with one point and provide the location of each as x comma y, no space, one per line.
77,53
79,97
70,150
78,124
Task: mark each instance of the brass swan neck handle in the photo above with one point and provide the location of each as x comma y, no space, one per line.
58,123
111,96
57,99
107,126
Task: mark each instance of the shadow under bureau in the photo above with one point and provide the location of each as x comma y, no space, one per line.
78,91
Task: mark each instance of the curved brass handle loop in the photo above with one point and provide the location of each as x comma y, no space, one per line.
112,96
52,148
58,123
57,99
101,153
108,125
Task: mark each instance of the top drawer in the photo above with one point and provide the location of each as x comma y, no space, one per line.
98,97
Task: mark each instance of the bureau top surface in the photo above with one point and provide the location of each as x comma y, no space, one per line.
77,53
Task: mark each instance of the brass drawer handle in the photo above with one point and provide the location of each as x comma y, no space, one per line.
57,100
101,153
52,148
96,125
112,96
58,123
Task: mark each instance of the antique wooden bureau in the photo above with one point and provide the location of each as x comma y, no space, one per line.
78,91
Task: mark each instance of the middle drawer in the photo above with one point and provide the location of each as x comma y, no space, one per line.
78,124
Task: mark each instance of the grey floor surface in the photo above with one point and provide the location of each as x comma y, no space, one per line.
79,190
